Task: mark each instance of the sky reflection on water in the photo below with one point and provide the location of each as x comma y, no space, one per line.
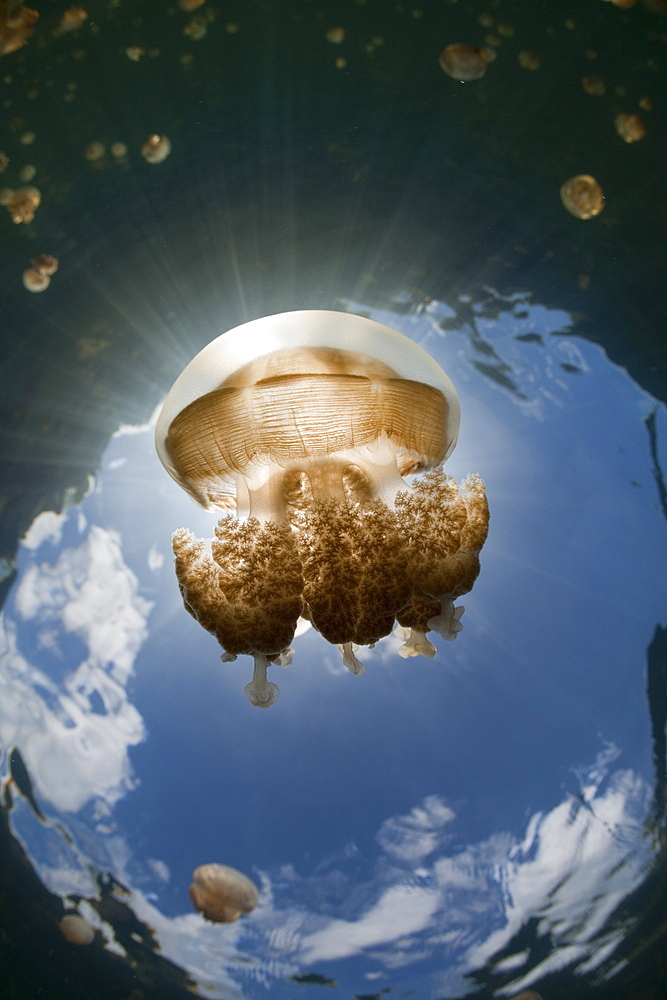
405,825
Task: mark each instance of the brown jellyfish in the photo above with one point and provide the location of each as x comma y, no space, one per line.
302,427
630,127
156,148
35,281
464,62
16,26
22,203
76,930
582,196
45,263
72,19
222,894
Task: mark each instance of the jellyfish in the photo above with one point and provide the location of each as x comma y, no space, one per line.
22,203
45,263
300,429
582,196
76,930
34,280
630,127
16,26
464,62
156,148
72,19
221,893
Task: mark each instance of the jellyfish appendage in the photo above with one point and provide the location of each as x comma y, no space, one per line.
355,666
414,643
260,691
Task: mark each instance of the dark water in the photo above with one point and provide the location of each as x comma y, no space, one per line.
377,185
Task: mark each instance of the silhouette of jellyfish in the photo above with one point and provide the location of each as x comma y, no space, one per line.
221,893
303,425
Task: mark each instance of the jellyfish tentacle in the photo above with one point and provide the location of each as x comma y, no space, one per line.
355,666
415,643
260,691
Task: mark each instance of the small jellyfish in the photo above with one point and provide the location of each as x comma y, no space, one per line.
593,85
27,172
118,150
630,127
464,62
76,930
72,19
16,26
45,263
222,894
4,161
196,29
135,52
582,196
156,148
22,203
34,281
528,60
94,151
335,35
299,429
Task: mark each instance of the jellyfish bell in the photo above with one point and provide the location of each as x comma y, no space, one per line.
582,196
35,280
156,148
76,930
302,428
222,894
465,62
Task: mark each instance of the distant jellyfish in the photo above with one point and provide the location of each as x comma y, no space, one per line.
35,281
156,148
630,127
464,62
593,85
76,930
16,26
222,894
301,427
582,196
45,263
72,19
94,151
27,173
22,203
335,35
528,60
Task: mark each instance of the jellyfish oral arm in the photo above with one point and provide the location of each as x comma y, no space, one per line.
261,692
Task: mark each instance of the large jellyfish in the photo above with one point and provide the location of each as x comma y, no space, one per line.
302,427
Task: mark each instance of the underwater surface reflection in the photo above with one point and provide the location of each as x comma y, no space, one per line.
478,819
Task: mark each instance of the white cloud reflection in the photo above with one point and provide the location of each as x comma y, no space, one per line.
425,901
74,725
